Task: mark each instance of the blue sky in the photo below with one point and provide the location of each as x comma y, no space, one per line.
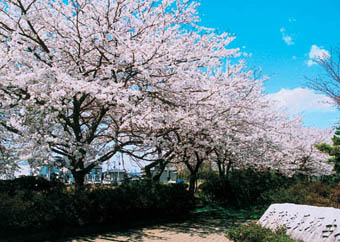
280,36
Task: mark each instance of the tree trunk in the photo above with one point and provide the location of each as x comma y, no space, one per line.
147,169
228,168
221,169
161,167
79,178
148,173
192,183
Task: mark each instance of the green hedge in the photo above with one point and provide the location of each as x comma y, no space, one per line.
318,193
255,233
30,183
31,210
247,188
243,188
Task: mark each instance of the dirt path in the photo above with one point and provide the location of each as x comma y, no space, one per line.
197,230
163,234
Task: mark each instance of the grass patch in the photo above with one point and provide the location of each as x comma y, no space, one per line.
253,232
252,213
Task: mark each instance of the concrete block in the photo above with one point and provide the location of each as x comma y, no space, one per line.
306,223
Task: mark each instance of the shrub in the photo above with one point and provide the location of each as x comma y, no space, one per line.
247,188
316,193
295,194
216,189
255,233
27,211
29,183
31,210
139,199
243,188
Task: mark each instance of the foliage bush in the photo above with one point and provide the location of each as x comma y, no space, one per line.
31,210
316,193
29,183
243,188
247,188
255,233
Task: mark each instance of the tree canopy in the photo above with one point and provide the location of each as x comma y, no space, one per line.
85,80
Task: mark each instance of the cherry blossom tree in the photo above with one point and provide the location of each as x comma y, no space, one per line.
227,119
84,80
333,150
83,69
8,134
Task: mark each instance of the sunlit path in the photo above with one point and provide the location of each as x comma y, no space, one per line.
165,233
194,230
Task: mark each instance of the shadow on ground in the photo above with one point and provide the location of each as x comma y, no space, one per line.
197,225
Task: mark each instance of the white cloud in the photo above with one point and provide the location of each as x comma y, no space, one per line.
288,39
291,19
317,53
299,100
